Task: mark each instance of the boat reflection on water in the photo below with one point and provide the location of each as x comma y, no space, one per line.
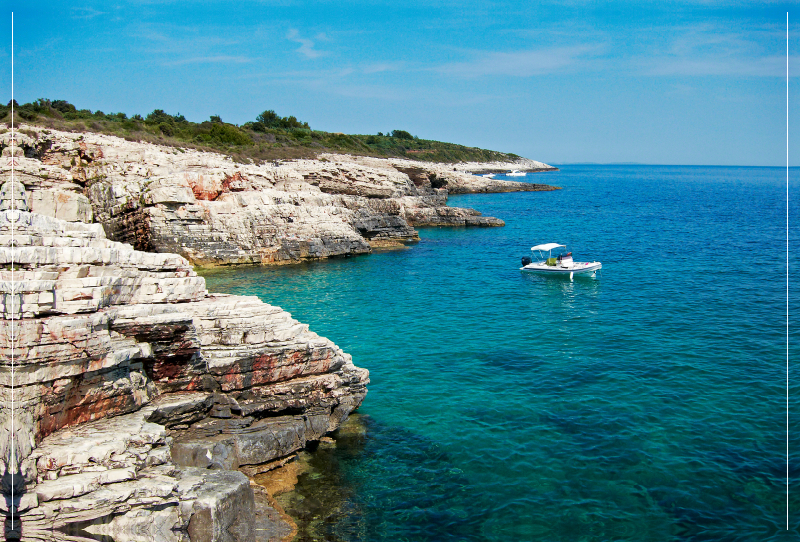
553,293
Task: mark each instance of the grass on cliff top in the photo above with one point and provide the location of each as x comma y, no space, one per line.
269,137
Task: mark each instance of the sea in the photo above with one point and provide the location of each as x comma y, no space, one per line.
648,403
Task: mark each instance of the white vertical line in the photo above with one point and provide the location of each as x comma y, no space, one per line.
787,270
13,330
13,284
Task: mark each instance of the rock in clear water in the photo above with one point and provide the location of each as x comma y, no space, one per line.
137,394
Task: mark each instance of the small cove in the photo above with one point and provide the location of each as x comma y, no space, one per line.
645,404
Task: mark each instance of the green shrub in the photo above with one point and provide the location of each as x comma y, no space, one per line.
130,125
270,136
402,134
255,126
227,133
62,106
270,119
158,116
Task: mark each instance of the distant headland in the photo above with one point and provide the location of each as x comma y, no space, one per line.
149,405
268,137
218,194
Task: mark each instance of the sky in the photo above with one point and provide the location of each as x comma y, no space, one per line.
661,82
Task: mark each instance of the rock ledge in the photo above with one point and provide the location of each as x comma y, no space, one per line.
140,400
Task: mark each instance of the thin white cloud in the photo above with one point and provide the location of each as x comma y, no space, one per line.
767,66
306,45
176,45
379,67
227,59
85,13
188,38
706,50
378,92
520,63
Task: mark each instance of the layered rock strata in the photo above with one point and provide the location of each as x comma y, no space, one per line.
212,210
134,404
132,400
462,178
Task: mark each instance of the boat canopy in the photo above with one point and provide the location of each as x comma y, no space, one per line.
548,247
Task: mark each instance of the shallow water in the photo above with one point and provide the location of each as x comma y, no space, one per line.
648,403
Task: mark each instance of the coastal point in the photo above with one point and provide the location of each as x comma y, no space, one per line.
137,404
399,271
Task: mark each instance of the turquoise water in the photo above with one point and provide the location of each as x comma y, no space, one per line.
648,403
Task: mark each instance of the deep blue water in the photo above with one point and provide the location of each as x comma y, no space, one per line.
648,403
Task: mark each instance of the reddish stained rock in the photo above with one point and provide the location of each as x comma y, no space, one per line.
58,418
83,413
203,189
195,384
167,370
237,380
235,183
113,360
209,190
272,367
89,152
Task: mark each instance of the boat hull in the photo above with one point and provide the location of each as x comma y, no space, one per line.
578,268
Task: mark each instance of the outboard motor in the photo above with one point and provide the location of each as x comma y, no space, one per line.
525,261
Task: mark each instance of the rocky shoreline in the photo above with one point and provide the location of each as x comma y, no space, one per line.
143,405
213,211
523,165
142,402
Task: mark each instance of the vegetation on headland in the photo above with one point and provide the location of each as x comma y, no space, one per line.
268,137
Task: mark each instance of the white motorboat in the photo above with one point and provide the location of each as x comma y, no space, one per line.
516,173
489,175
561,264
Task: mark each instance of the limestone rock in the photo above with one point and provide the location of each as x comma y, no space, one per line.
212,211
137,394
69,206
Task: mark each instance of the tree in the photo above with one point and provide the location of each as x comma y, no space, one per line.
158,116
62,106
269,119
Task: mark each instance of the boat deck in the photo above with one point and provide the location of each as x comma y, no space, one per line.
575,267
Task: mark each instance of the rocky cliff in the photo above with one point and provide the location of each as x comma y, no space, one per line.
134,403
211,210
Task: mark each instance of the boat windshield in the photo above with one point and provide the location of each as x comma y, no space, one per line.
554,253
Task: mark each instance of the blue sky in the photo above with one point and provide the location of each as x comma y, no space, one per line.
665,82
